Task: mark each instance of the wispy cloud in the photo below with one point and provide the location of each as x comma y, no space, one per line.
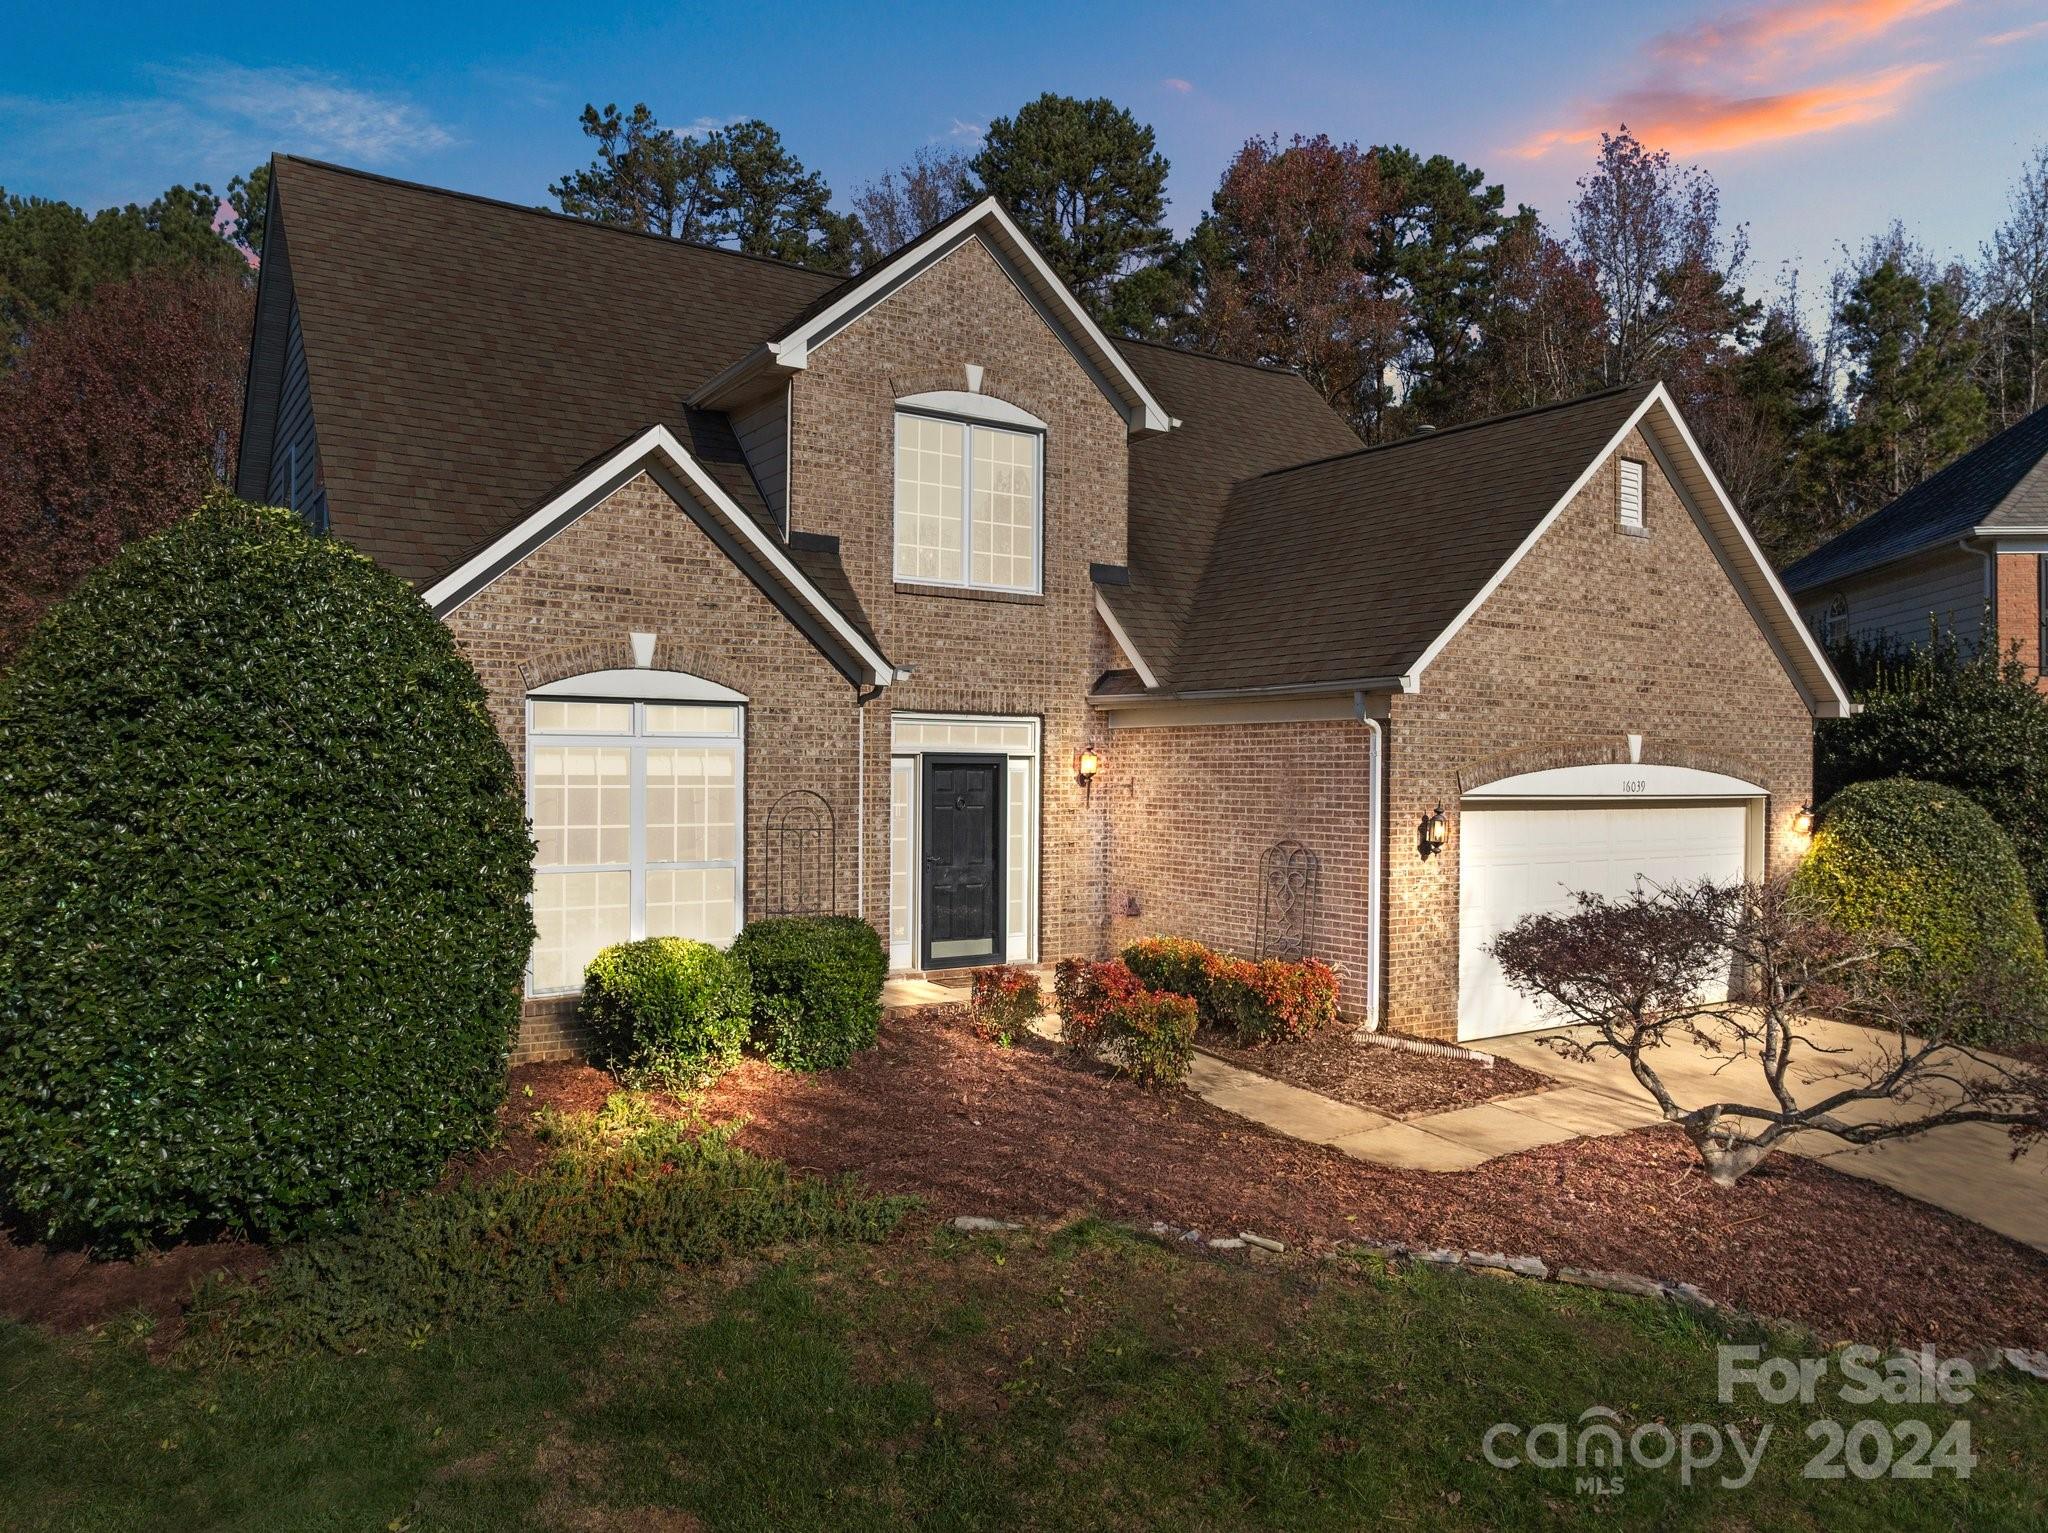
1695,122
1179,86
965,132
208,118
1764,33
1763,75
2017,35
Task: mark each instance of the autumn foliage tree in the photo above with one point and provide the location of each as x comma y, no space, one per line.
119,417
1284,255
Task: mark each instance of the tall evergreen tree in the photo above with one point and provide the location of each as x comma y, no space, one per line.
1087,181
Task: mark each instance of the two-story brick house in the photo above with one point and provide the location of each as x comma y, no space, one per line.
915,596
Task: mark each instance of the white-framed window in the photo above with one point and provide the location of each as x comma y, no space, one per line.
969,503
1631,495
637,813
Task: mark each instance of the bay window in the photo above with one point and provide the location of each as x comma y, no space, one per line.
969,503
636,812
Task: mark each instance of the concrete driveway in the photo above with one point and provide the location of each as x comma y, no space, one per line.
1966,1168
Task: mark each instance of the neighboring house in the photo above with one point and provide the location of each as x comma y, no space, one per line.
794,593
1965,552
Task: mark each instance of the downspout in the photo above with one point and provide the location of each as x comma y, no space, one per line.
861,699
1375,842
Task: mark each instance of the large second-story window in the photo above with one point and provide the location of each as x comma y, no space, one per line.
636,824
969,500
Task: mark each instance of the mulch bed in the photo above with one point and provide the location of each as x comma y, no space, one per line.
974,1128
1380,1079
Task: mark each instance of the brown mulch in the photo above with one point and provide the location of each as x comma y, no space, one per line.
1380,1079
974,1128
565,1085
70,1291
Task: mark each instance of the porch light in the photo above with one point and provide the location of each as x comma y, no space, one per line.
1086,765
1436,830
1802,822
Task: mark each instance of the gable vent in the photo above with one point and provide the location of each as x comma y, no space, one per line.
1631,495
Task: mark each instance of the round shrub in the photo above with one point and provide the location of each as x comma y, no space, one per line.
1926,864
817,988
263,882
675,1010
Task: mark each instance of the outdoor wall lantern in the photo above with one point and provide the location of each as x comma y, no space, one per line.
1086,765
1802,822
1436,830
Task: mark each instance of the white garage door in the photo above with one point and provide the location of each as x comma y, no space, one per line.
1515,859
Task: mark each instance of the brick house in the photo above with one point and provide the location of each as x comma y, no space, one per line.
916,597
1965,551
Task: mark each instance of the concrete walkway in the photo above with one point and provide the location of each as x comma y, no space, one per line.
1967,1168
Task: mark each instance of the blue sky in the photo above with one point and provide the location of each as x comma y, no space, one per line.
1821,119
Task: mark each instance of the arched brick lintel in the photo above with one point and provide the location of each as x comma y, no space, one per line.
1607,751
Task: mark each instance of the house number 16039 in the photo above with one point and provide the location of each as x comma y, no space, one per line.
1634,784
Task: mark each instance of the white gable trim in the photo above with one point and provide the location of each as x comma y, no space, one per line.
791,352
1123,642
654,448
1815,678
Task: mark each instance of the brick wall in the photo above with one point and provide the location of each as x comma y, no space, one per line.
637,563
1595,635
972,653
1192,812
2016,607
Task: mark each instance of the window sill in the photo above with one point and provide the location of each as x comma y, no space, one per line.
970,593
1633,532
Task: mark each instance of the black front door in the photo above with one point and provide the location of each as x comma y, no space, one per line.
963,860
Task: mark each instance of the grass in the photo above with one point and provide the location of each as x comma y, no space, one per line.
1080,1378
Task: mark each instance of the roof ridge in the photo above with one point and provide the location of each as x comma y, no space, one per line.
1438,433
1210,356
834,278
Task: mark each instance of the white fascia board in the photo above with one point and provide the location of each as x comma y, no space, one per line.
1140,410
656,444
1835,704
1471,608
1123,642
2009,532
1832,703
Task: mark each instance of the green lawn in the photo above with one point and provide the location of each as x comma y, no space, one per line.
1083,1378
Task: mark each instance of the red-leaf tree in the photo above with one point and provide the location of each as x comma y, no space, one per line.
118,418
1284,257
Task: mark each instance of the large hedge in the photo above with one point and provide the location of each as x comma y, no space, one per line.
1922,861
1970,720
263,879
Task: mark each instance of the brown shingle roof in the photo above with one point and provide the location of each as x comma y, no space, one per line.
466,355
1236,421
1347,569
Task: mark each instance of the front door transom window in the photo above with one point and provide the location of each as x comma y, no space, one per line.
636,823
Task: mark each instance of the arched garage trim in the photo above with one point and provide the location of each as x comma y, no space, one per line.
1619,781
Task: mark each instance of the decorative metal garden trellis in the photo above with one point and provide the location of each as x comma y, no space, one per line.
802,848
1289,883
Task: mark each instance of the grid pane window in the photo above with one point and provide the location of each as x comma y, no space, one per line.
1005,526
928,480
636,828
980,527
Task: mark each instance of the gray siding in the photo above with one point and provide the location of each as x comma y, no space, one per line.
764,437
295,452
1900,600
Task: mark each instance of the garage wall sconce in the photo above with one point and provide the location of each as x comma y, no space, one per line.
1086,764
1436,830
1802,822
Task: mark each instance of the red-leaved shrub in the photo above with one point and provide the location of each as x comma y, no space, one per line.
1150,1034
1258,1000
1005,1002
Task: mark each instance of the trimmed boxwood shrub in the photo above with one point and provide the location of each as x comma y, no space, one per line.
674,1011
817,988
263,882
1923,862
